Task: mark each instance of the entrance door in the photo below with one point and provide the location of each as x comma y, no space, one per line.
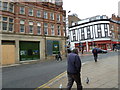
8,54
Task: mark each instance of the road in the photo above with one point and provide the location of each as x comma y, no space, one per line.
35,75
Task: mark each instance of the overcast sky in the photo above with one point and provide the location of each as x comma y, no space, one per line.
89,8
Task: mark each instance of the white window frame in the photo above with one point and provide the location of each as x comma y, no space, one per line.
45,15
38,26
30,11
31,25
46,29
58,17
5,22
12,25
52,29
11,7
22,22
63,18
38,13
0,23
52,16
58,30
3,7
22,10
8,24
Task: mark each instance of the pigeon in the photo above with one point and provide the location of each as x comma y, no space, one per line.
87,80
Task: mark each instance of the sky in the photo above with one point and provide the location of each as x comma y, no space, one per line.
89,8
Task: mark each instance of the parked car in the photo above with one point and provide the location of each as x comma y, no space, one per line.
102,51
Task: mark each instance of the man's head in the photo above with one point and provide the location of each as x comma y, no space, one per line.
75,51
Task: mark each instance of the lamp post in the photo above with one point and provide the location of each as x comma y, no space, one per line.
67,32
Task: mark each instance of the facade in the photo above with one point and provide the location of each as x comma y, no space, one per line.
90,32
31,31
115,29
72,19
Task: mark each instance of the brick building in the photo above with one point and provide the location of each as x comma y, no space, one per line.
115,30
31,31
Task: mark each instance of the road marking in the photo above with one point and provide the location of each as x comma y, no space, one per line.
52,80
45,85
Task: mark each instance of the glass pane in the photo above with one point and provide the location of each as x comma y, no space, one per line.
10,27
4,18
10,20
4,26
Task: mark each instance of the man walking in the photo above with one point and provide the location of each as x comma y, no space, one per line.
73,70
95,53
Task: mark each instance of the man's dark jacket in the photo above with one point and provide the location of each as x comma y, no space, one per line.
74,63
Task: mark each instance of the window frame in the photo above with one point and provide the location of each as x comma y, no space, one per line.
30,11
22,11
52,29
38,26
22,25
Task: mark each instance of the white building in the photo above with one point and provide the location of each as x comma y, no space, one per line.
91,32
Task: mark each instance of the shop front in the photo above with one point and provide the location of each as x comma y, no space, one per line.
89,45
29,50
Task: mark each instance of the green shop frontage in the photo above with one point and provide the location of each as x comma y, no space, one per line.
53,47
29,50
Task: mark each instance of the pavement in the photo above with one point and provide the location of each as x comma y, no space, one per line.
101,74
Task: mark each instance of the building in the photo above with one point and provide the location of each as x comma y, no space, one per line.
90,32
72,19
31,31
115,29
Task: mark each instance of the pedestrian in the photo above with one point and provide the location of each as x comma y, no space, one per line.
59,56
82,49
95,53
73,70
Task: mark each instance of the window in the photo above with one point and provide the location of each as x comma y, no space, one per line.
63,18
30,12
11,7
98,27
22,10
38,13
30,27
38,28
10,24
0,23
73,32
99,31
45,28
0,5
58,17
7,24
4,23
52,29
88,32
74,38
22,26
5,6
45,15
52,16
106,30
82,34
58,30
